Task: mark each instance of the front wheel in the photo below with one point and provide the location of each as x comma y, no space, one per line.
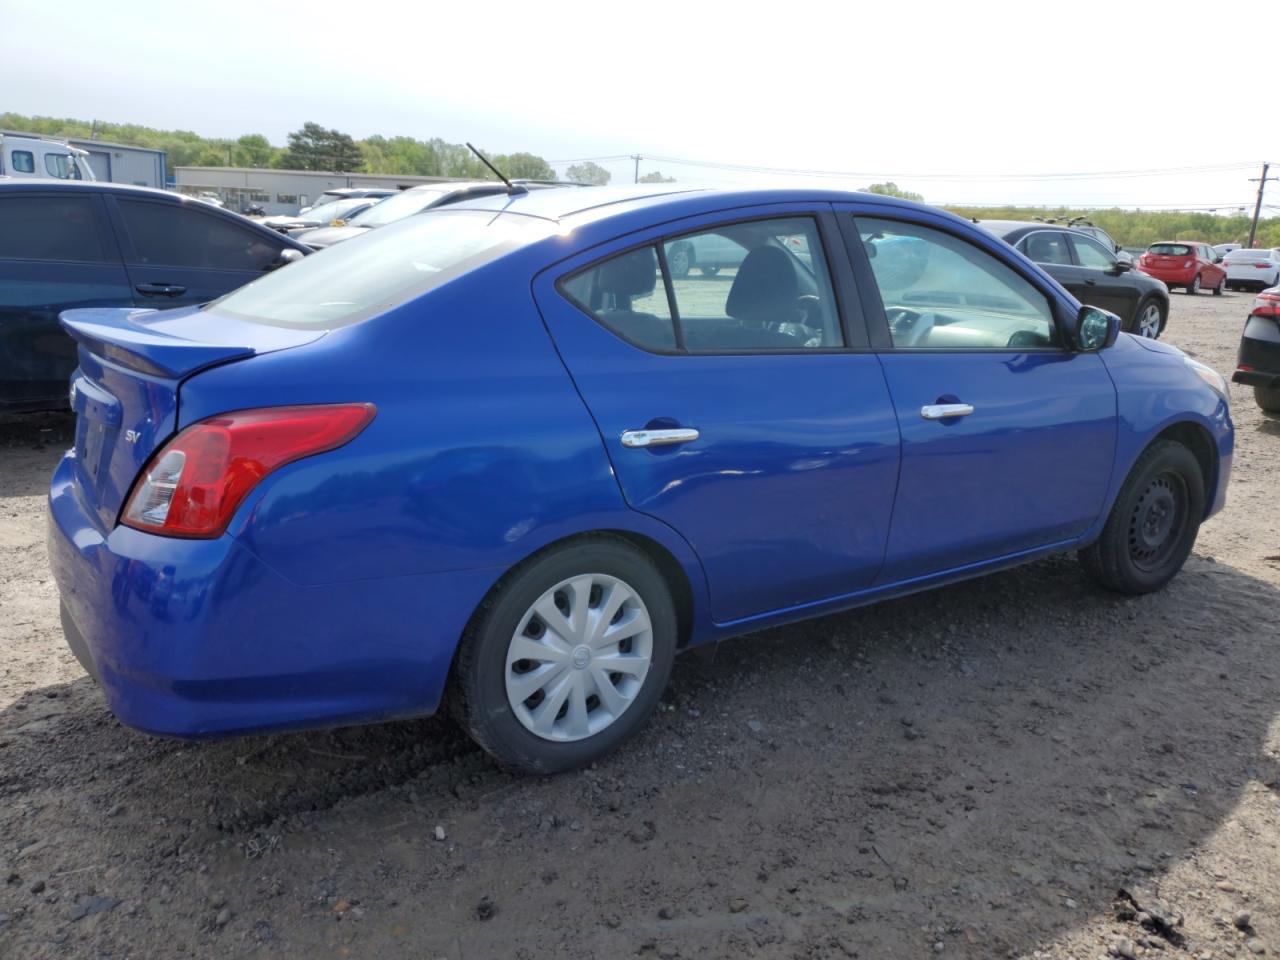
1149,319
1153,523
1267,398
1220,288
680,260
567,658
1194,287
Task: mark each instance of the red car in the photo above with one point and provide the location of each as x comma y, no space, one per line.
1185,263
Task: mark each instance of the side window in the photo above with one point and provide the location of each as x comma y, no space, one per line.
23,161
1091,254
940,292
60,166
1046,246
51,228
178,235
755,285
626,294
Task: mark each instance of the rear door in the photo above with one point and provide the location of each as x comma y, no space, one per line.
178,254
57,252
1007,437
737,407
1050,250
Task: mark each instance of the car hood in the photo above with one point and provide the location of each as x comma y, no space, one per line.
1156,346
328,236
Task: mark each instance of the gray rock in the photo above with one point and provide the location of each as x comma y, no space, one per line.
223,917
38,887
486,908
755,725
1123,947
439,832
1241,919
1255,946
88,906
737,905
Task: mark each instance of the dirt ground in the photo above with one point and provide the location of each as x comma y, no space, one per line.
975,772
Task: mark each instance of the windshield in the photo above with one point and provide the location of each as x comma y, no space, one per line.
1169,249
333,210
396,208
352,281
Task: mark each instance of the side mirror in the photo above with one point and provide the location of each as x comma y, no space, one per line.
287,256
1119,267
1095,329
1218,259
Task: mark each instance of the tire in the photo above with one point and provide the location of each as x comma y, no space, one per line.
680,260
709,271
582,576
1222,286
1148,319
1194,287
1153,523
1267,398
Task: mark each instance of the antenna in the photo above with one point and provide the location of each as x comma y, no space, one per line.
512,189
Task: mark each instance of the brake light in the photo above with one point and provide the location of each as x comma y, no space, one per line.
1262,266
195,482
1266,305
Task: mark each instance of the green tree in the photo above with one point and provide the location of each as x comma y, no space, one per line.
891,189
316,148
588,172
253,150
656,176
524,166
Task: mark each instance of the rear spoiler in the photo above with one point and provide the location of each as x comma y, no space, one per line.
116,334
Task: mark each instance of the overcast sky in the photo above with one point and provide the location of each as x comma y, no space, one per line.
953,99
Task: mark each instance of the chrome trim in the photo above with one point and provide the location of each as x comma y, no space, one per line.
658,438
942,411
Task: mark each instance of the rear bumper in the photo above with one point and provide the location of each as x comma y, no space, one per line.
1258,361
1172,278
200,638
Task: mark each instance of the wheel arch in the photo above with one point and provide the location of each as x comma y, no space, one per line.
1196,438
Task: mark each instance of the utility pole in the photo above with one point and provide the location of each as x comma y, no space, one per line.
636,158
1257,207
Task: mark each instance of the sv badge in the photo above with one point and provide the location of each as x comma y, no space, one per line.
131,436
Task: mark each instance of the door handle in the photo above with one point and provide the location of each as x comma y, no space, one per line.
1090,283
160,289
658,438
942,411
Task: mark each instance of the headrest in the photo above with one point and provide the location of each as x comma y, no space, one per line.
632,275
766,286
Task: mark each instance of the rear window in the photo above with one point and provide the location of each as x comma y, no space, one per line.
1249,255
1170,249
398,207
352,281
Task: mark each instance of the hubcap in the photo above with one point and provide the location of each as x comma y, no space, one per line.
579,657
1149,322
1157,521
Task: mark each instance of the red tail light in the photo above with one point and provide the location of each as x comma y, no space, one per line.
1266,305
195,482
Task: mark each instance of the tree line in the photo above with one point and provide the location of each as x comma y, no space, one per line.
315,147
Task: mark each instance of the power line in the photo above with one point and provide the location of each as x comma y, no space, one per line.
1092,175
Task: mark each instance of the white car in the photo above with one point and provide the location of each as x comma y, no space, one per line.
1252,269
1222,249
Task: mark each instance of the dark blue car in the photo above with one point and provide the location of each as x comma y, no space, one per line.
500,449
67,244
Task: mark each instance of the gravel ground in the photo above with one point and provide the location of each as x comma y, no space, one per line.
1020,766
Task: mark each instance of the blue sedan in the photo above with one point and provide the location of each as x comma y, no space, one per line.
503,452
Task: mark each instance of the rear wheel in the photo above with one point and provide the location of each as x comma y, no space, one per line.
567,658
680,260
1194,287
709,271
1268,398
1153,523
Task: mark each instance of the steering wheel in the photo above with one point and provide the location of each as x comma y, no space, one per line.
907,327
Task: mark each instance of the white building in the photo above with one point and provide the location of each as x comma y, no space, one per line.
281,191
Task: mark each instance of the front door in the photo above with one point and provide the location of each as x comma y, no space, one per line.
1007,437
1106,283
731,406
178,254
